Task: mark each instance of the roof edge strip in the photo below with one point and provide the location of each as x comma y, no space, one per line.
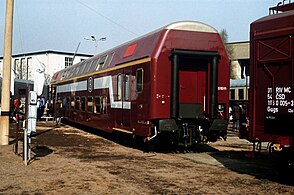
120,66
191,26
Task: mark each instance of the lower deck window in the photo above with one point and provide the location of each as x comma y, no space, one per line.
77,103
83,103
97,107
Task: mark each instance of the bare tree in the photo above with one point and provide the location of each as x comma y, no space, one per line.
225,37
230,51
47,79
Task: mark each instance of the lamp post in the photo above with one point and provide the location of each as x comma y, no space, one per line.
93,38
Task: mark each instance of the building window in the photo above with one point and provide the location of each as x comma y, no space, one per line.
17,68
241,94
68,62
23,68
29,70
232,94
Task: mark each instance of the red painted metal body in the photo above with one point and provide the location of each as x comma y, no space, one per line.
134,104
272,79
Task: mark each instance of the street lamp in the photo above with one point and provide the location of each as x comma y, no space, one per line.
93,38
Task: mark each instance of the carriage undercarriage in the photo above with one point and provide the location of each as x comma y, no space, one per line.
187,134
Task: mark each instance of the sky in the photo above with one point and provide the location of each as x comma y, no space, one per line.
60,25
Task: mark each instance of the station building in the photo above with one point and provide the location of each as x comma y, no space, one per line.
24,65
239,53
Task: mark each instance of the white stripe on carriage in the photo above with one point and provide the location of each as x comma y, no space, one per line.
99,83
106,82
77,86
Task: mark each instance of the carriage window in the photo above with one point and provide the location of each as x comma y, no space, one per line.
82,66
77,104
104,105
139,80
69,73
109,59
67,100
76,71
66,74
90,104
64,102
102,62
62,75
88,66
83,103
97,107
72,102
119,86
94,65
127,87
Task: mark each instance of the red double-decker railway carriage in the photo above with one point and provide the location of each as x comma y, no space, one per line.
171,84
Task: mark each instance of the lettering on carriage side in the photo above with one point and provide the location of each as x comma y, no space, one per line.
90,84
221,88
106,82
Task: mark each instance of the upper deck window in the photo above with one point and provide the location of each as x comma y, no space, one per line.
94,65
83,65
55,76
76,71
71,72
109,59
87,67
102,61
62,75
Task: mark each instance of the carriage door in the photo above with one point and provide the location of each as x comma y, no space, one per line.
194,84
123,115
192,88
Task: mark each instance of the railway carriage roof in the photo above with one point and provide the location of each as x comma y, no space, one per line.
275,21
123,53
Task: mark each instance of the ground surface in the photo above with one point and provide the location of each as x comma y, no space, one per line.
71,161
